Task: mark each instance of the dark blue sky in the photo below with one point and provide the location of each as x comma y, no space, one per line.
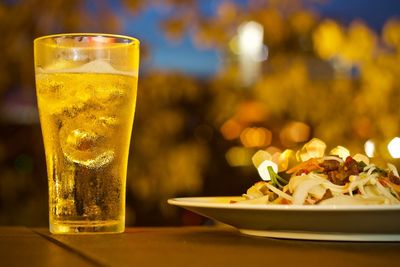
185,57
373,12
166,54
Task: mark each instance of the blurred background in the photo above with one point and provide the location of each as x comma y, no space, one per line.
219,80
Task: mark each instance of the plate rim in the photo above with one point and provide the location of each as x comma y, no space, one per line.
322,236
200,202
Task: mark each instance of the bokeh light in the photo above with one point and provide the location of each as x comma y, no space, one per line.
394,147
369,148
238,156
256,137
218,81
294,133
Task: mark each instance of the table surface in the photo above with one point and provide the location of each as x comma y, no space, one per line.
184,246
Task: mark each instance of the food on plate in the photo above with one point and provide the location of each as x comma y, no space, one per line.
309,177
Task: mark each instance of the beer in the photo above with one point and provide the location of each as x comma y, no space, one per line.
86,115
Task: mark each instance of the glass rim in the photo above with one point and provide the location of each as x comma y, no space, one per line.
134,41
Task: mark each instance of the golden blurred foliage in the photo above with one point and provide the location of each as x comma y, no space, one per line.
22,21
391,33
317,78
328,39
360,43
303,21
355,45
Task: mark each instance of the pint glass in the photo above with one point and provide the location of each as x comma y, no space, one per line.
86,88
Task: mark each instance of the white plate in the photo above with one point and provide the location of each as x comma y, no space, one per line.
339,223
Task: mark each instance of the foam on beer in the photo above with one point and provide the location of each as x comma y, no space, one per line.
96,66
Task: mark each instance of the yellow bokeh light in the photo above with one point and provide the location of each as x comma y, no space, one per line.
391,32
328,39
256,137
359,44
251,111
231,129
238,156
293,133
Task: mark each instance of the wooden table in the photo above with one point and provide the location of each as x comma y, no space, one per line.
184,246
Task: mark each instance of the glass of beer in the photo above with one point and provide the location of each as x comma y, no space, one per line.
86,88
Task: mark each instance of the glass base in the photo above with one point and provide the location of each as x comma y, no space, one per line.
87,227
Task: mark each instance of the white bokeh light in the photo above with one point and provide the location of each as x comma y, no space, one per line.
251,35
369,148
251,50
394,147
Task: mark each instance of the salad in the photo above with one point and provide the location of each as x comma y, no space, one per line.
309,177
